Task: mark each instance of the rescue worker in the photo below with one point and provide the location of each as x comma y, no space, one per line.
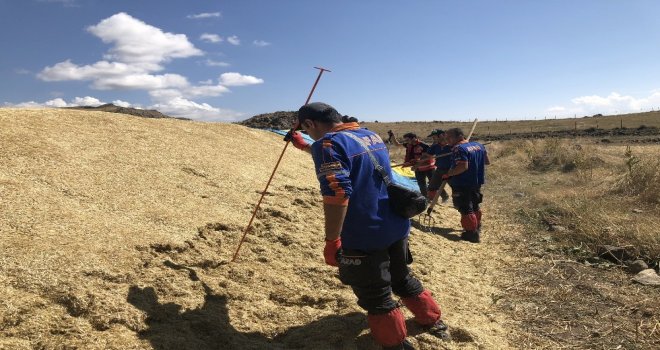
363,236
466,176
441,152
415,149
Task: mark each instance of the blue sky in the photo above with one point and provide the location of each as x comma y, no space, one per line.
390,60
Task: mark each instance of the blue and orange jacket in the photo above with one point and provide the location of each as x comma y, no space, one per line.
444,150
474,154
348,178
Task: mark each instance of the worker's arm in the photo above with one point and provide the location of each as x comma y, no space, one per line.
460,168
486,159
426,156
332,170
298,142
334,220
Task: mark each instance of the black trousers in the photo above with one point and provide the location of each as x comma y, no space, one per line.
436,181
421,177
466,199
375,275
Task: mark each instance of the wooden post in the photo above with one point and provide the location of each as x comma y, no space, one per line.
621,123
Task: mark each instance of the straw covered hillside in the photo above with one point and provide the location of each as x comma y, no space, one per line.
117,231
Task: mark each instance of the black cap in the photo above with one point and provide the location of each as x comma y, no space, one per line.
318,111
436,132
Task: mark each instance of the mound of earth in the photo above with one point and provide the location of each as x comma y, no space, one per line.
277,120
117,233
109,107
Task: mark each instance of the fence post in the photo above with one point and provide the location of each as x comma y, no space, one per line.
621,123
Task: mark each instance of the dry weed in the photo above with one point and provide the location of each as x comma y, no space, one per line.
642,178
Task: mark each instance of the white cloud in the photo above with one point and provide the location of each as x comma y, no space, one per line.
141,44
234,40
212,63
260,43
211,38
22,71
111,75
204,15
613,103
139,50
205,82
237,79
29,104
205,90
58,102
181,107
121,103
99,70
141,82
87,101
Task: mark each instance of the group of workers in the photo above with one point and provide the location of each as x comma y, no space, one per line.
364,237
455,160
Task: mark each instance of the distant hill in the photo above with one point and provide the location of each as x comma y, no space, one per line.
109,107
277,120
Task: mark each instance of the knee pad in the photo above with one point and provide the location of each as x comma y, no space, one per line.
388,329
424,307
469,222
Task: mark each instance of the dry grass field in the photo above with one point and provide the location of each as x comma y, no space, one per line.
117,231
572,197
536,127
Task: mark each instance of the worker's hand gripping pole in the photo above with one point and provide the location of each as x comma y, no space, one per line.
444,183
293,129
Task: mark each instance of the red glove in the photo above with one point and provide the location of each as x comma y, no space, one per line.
298,141
445,177
330,251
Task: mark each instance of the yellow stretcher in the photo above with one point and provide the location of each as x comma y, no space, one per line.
407,171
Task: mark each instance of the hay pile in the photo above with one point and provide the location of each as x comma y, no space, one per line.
117,232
